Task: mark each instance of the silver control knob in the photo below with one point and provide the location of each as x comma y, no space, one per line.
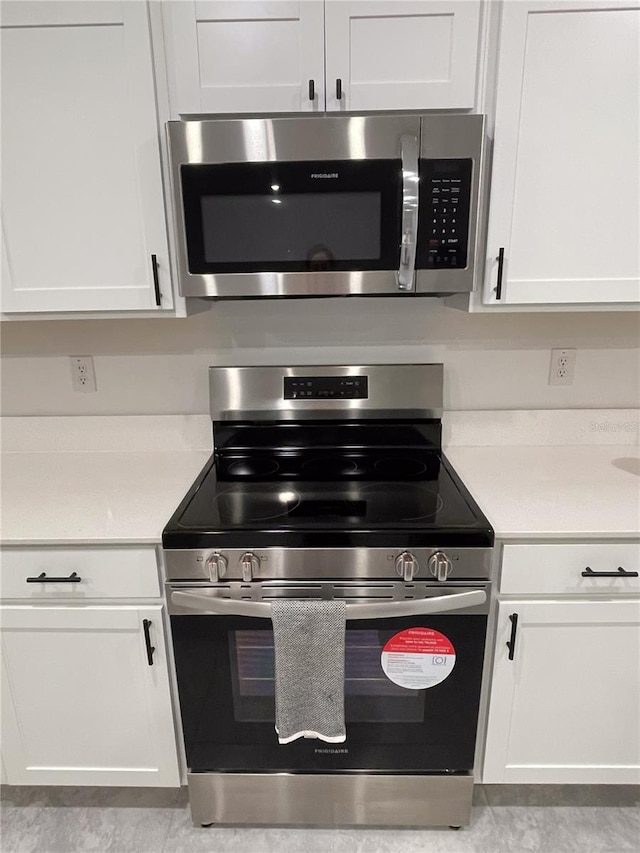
217,565
440,566
250,565
407,566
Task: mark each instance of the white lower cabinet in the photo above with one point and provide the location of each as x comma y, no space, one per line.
84,700
566,707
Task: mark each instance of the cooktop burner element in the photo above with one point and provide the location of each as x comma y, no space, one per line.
400,466
237,509
253,467
320,504
292,472
332,467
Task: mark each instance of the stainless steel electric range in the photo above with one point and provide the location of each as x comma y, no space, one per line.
330,482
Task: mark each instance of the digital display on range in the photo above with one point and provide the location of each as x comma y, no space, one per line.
326,387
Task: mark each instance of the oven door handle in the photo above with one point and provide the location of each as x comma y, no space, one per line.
383,610
409,225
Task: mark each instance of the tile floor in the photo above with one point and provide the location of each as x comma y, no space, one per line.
506,819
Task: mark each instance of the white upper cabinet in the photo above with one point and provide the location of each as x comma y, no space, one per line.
398,55
82,199
238,57
566,162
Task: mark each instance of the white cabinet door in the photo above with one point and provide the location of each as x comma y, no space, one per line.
237,57
398,55
566,168
566,709
80,703
82,200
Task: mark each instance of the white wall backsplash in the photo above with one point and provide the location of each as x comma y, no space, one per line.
160,366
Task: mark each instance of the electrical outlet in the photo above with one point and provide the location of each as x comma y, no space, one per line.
83,377
562,366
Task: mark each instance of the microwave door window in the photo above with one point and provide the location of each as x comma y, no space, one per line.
263,218
314,229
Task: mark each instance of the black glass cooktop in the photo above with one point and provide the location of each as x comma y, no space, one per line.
433,505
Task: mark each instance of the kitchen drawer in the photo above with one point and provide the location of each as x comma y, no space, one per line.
557,569
103,572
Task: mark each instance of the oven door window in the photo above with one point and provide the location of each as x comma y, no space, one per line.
370,697
292,217
225,669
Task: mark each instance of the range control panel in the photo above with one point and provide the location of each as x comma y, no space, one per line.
445,196
326,387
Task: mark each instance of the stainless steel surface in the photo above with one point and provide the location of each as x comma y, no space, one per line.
440,566
318,138
400,390
268,140
357,594
406,566
409,225
256,285
203,602
362,799
250,565
326,563
217,566
455,136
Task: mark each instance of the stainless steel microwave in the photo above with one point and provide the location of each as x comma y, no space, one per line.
327,206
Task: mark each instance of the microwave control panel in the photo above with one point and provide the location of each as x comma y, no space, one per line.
445,198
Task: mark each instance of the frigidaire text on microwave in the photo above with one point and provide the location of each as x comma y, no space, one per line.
327,206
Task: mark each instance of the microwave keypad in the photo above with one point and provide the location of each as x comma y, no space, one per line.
445,191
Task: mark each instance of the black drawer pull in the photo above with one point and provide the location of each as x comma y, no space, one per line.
156,280
621,573
312,90
146,624
500,260
42,578
338,88
511,644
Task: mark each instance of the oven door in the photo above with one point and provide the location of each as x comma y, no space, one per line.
295,207
225,672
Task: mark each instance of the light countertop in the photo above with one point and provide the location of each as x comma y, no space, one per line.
585,492
96,480
110,480
62,498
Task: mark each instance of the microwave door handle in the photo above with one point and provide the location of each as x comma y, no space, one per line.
383,610
409,225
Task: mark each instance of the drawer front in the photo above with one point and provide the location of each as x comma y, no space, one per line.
540,569
90,573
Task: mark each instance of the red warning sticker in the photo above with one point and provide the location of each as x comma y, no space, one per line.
418,658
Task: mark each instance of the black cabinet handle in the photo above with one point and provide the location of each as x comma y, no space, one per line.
511,644
42,578
621,573
156,282
312,90
338,88
500,260
146,624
